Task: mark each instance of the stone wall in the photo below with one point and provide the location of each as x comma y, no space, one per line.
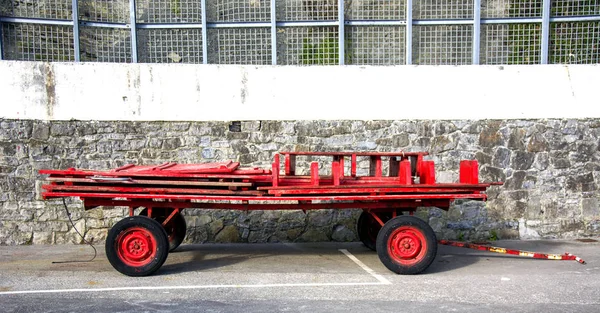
551,169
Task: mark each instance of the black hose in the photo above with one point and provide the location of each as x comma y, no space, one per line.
84,240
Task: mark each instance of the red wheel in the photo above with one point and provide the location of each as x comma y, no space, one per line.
137,246
406,245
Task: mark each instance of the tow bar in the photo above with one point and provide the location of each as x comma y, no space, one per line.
535,255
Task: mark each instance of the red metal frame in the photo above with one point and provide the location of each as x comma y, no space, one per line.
409,183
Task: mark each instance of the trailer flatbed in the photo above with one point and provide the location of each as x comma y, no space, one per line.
397,183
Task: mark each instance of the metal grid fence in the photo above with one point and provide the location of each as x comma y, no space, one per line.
302,32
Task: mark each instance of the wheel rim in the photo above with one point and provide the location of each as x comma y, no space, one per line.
136,246
407,245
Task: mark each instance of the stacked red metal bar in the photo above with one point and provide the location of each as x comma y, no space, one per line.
410,182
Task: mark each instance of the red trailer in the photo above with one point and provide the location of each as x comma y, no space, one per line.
139,244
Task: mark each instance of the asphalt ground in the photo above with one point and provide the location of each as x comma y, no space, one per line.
316,277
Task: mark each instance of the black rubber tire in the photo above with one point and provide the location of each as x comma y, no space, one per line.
367,230
426,253
176,229
155,230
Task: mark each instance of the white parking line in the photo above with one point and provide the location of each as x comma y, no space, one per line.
366,268
380,281
184,287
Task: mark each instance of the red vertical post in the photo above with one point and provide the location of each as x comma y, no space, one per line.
353,165
314,174
335,172
428,173
419,164
287,165
275,170
290,164
469,172
341,166
465,172
404,173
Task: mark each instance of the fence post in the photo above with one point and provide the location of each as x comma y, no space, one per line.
341,32
133,27
408,32
273,32
77,50
204,32
476,30
545,31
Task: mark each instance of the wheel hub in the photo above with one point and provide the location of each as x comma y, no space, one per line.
136,246
407,245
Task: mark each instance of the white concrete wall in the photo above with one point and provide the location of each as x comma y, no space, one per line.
103,91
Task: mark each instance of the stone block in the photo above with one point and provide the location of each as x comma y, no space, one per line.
522,160
490,136
515,182
215,227
366,145
314,235
516,139
339,140
537,143
293,219
257,236
62,129
343,234
229,233
41,131
293,233
237,135
197,235
208,153
441,144
96,236
400,140
251,125
319,218
501,157
590,207
42,238
581,183
526,232
491,174
541,161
